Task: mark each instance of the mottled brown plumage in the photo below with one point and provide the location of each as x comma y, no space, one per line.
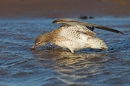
71,34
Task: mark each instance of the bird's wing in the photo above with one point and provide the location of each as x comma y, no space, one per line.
70,22
101,27
73,32
78,29
85,30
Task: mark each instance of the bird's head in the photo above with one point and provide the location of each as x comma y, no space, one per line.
40,40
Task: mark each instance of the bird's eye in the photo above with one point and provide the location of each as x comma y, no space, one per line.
38,43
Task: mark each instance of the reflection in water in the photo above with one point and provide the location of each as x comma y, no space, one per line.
54,66
71,68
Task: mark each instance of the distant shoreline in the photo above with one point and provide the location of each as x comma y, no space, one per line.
58,8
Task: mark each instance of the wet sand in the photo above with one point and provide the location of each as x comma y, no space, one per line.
58,8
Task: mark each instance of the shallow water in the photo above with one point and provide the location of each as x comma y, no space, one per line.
50,65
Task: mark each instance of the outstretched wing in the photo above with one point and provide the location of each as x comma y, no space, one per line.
100,27
68,21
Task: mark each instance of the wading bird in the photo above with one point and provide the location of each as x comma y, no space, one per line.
74,35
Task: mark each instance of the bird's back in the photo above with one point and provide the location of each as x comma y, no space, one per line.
75,37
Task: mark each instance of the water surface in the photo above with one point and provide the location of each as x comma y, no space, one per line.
51,65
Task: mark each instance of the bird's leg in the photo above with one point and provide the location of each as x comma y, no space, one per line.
72,51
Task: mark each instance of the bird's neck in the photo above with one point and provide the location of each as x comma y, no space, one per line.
48,37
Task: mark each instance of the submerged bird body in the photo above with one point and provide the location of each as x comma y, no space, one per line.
74,36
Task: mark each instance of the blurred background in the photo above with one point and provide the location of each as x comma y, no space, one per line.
64,8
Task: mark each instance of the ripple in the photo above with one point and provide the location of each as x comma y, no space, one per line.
52,65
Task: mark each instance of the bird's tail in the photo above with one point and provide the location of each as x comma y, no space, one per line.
97,43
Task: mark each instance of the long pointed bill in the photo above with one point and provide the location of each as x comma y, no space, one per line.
33,47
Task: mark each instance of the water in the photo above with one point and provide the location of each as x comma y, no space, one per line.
50,65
